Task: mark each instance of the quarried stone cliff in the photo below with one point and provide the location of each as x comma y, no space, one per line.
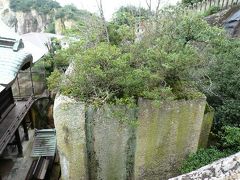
24,22
112,142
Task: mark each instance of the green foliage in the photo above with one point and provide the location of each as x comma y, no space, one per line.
188,2
224,73
212,10
229,139
43,6
122,28
129,15
103,73
120,34
224,81
228,143
228,114
54,80
201,158
71,12
178,48
51,28
160,66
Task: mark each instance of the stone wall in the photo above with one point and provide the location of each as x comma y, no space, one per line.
25,22
206,127
110,142
69,119
166,134
148,142
223,169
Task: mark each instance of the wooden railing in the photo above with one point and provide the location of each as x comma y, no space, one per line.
206,4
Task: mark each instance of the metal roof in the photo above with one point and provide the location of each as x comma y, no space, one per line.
16,51
44,143
36,43
11,62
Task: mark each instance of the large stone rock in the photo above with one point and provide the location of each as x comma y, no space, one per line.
206,127
166,134
223,169
110,142
24,22
69,119
61,25
119,142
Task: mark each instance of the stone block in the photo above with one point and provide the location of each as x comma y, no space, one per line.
110,142
167,133
69,120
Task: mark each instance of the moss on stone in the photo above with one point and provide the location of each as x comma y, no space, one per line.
69,124
206,126
165,136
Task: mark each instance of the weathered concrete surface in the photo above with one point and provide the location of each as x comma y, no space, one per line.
110,142
69,119
223,169
167,132
206,127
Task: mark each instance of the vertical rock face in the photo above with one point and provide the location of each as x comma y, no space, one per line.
23,22
206,128
69,119
61,25
110,142
118,142
167,132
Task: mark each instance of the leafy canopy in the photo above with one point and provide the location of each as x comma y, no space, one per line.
43,6
160,66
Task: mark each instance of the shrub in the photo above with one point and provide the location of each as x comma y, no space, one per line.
212,10
201,158
228,143
228,114
43,6
158,67
54,80
71,12
103,73
230,139
187,2
51,28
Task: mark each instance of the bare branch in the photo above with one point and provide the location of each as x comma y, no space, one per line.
158,5
149,4
100,8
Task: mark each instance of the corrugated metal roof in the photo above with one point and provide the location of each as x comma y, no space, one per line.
12,60
35,43
10,64
44,143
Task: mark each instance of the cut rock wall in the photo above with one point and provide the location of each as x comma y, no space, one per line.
166,134
69,119
118,142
